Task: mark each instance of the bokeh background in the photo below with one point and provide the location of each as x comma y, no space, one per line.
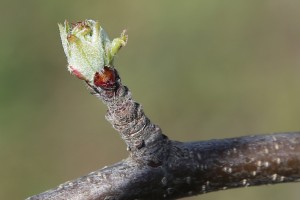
201,69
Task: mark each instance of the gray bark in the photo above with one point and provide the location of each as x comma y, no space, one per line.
159,168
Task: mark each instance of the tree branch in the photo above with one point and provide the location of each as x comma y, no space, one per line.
159,168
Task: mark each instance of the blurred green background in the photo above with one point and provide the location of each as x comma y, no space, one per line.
201,69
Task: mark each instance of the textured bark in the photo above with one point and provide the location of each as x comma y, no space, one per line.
159,168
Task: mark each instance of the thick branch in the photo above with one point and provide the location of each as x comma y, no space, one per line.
159,168
192,168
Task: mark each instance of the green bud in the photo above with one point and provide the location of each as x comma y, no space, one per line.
88,48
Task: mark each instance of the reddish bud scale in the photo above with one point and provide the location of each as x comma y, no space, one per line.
77,73
106,78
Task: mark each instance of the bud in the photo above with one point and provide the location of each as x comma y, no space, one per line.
88,49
